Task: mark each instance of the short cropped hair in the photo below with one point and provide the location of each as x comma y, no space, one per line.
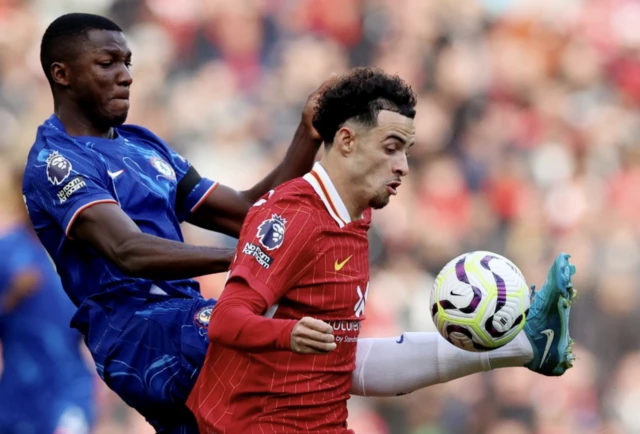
360,95
62,35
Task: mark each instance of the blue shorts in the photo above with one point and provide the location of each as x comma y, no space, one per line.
154,361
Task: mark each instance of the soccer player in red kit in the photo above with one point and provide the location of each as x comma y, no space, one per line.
284,354
303,262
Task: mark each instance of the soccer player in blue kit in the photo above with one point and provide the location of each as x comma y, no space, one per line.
107,200
46,385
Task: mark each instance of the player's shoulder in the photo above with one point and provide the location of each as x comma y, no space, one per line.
295,189
287,209
51,135
54,148
291,201
295,194
305,195
144,138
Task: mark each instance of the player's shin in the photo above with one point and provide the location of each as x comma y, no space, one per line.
396,366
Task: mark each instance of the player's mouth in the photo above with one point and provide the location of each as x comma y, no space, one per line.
392,187
121,100
122,96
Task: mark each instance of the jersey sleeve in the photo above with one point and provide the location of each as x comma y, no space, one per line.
192,192
65,180
193,189
276,247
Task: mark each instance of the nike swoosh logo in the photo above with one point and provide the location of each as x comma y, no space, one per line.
114,175
549,334
456,294
338,265
401,340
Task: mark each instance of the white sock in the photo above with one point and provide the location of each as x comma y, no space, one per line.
396,366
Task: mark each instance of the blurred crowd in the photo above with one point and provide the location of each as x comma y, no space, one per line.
527,144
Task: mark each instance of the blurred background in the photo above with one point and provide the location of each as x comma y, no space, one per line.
527,144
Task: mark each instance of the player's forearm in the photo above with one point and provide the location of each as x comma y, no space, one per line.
237,323
147,256
238,328
298,161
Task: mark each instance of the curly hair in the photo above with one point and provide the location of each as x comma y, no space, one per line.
360,95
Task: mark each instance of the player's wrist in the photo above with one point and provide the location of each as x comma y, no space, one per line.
306,128
283,342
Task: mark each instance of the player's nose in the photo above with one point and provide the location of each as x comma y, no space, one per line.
401,166
124,77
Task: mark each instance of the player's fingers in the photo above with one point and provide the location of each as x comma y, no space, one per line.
314,335
307,350
298,347
317,325
309,344
333,78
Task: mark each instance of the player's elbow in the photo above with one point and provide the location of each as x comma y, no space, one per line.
126,257
224,325
131,267
215,331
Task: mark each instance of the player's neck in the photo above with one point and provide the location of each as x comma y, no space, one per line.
76,123
344,187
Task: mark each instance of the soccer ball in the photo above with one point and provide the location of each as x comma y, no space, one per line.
480,301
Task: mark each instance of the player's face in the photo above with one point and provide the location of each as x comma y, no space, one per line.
381,157
100,77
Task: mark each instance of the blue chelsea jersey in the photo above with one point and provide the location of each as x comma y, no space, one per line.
65,175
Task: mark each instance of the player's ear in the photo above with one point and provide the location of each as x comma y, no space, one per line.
60,73
345,140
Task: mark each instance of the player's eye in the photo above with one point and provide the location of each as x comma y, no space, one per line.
106,64
390,150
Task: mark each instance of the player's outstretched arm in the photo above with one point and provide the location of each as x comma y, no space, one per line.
224,209
112,232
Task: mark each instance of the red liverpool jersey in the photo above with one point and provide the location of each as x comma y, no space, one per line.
302,253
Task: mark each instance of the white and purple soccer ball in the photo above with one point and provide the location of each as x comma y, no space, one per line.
480,301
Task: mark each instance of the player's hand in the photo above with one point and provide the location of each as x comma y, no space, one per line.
311,104
312,336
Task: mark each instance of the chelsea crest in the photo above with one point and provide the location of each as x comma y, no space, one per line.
203,316
163,168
